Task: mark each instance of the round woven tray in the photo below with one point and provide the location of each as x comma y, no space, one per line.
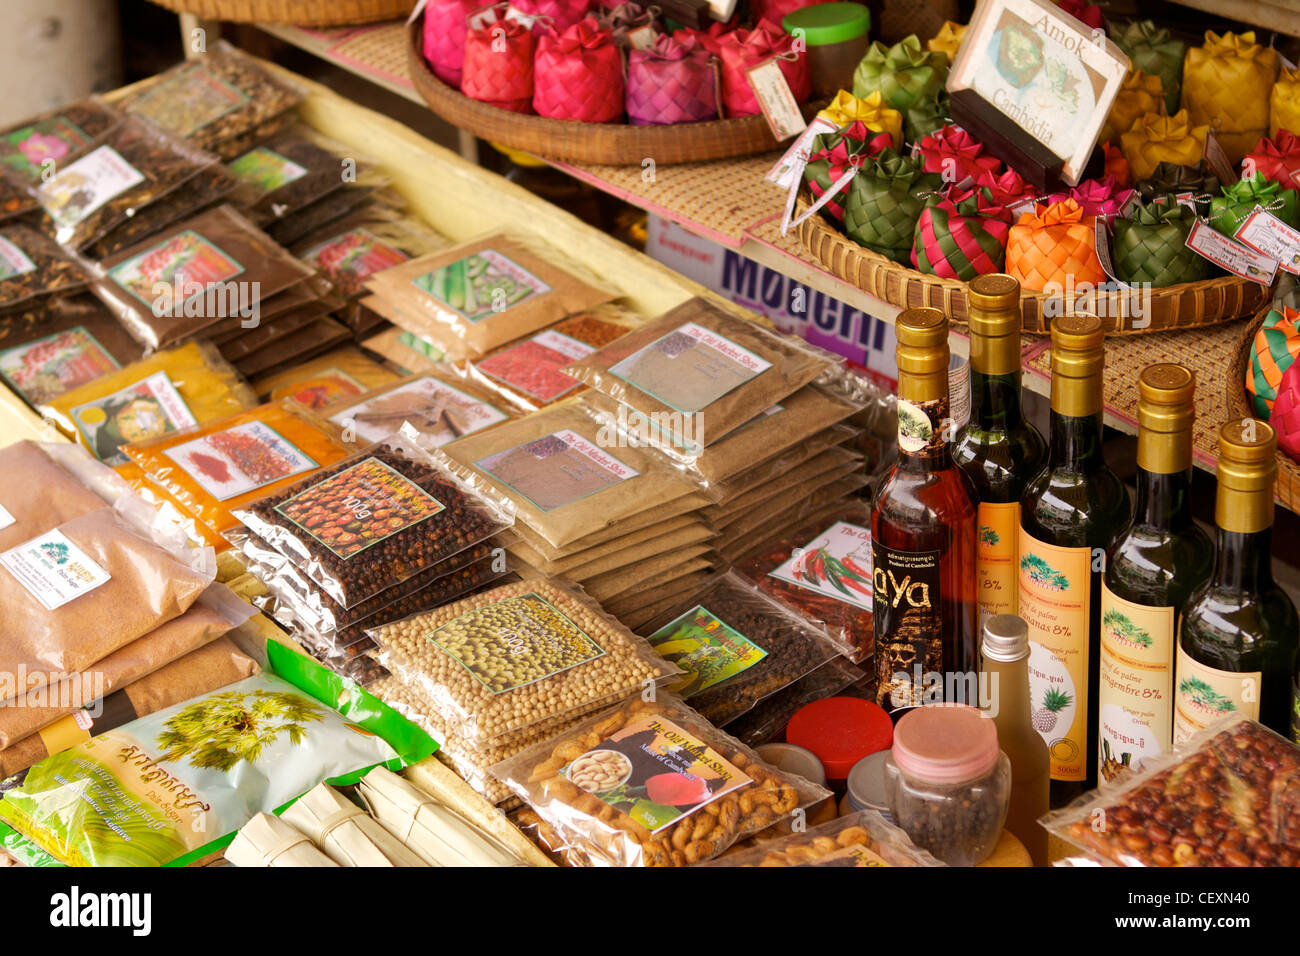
614,144
303,13
1239,406
1186,306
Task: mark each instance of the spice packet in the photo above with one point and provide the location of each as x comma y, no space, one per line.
766,721
1236,771
222,95
647,573
431,409
295,227
267,841
373,520
752,533
164,393
580,568
323,381
245,343
737,646
516,656
351,249
32,266
822,468
698,372
527,552
32,148
652,783
547,840
864,838
487,292
344,831
316,338
41,486
564,480
676,508
310,727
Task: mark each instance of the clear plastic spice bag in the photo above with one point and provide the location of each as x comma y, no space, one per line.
766,722
316,384
30,147
350,250
859,839
32,266
44,485
432,409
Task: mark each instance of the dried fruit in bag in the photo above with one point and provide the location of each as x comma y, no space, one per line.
859,839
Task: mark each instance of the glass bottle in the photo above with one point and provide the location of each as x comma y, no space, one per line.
1159,559
1070,514
1005,696
923,530
1237,643
998,449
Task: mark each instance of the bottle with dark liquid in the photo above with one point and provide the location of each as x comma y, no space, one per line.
923,525
1070,515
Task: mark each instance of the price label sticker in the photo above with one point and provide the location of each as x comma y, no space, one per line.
1238,259
778,104
1269,235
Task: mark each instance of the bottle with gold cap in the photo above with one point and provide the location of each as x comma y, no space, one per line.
998,449
1159,559
1070,515
1237,643
923,525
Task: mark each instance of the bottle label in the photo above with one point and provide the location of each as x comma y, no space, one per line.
1054,591
995,558
1136,686
908,623
1204,695
923,427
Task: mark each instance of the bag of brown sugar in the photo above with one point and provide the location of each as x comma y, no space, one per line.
490,291
698,372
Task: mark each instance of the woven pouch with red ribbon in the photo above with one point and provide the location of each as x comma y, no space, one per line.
1286,413
1004,188
742,50
578,75
499,65
1096,197
670,84
1053,246
445,26
710,38
560,14
1276,345
956,155
961,236
1277,159
831,155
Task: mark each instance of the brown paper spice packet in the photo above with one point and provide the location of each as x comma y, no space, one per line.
693,533
537,559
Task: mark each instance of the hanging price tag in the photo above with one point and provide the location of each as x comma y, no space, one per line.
1218,160
778,104
1233,256
642,38
1267,234
789,168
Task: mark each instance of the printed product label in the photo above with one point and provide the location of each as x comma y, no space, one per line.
836,564
856,855
6,519
53,569
1204,695
147,409
437,411
655,772
266,169
921,427
183,260
1055,588
67,732
1227,254
352,257
515,642
557,469
47,367
533,366
189,101
481,285
13,261
324,388
690,368
1136,686
1267,234
708,648
995,558
908,622
359,507
239,460
27,150
776,100
959,391
80,188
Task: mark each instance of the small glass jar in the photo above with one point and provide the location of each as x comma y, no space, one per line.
948,783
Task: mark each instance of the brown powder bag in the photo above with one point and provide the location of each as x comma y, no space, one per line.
675,590
738,544
525,551
38,493
642,584
693,533
780,463
792,484
610,583
637,525
755,518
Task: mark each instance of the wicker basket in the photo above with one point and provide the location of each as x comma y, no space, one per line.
303,13
1185,306
614,144
1237,402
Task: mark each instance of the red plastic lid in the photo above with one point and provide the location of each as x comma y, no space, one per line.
841,731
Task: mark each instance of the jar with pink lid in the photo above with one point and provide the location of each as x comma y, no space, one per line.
948,783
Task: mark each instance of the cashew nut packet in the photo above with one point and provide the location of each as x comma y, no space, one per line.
652,783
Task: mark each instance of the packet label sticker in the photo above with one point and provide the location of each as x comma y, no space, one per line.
438,412
533,366
326,387
557,469
6,519
1270,236
352,257
780,108
690,368
266,169
907,621
996,574
708,648
655,772
642,38
53,569
189,100
187,261
13,261
856,855
359,507
1204,695
836,564
515,642
480,285
25,151
1233,256
83,186
145,409
239,459
47,367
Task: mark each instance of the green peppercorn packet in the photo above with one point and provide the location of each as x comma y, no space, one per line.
301,725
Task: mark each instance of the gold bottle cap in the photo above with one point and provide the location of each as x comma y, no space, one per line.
1165,414
922,341
1247,472
1078,346
993,309
995,291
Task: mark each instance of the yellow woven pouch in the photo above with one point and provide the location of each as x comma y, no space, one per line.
947,40
1226,86
1284,103
847,109
1156,139
1141,94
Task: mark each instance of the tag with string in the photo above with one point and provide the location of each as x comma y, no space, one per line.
1232,256
1101,239
854,163
1270,236
780,108
789,168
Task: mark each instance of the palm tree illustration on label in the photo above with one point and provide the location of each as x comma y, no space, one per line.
1043,574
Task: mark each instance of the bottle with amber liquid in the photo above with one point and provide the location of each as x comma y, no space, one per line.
923,525
998,449
1070,515
1237,643
1159,559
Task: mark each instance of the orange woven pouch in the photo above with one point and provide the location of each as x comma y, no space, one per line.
1054,245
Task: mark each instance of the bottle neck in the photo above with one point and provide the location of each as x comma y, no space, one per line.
995,401
925,427
1242,562
1163,501
1075,442
1011,695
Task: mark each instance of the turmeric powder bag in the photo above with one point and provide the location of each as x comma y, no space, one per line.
334,377
439,408
1226,86
227,463
170,390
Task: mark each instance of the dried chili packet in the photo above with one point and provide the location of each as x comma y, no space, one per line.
32,265
352,249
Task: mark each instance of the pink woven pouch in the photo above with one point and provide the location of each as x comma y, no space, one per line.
578,75
499,65
774,11
670,84
1096,197
955,154
562,13
743,50
445,25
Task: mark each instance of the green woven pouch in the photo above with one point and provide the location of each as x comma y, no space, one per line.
1151,246
885,200
905,73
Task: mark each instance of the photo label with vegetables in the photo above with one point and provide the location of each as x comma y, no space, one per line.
706,647
557,470
690,368
326,387
837,563
483,284
655,772
145,409
239,459
266,169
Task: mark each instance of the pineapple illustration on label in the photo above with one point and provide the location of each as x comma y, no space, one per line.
1047,715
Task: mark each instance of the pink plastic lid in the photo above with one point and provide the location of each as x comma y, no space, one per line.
945,744
840,731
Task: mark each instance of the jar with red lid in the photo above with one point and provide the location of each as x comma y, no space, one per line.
840,731
947,782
